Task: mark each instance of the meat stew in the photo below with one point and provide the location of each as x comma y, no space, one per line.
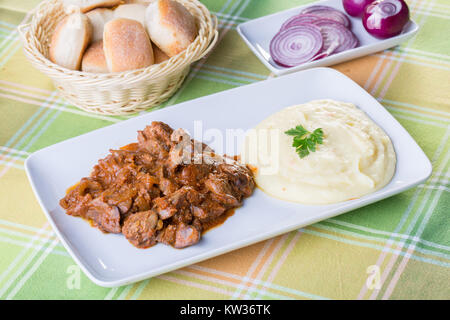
165,188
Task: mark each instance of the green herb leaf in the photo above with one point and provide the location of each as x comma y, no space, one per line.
304,141
297,131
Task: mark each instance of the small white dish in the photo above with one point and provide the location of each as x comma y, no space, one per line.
258,33
110,260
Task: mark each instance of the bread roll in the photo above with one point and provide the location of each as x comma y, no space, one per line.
126,45
86,5
131,11
69,41
170,26
94,59
158,55
98,18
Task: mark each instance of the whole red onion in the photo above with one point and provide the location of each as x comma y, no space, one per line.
385,18
356,8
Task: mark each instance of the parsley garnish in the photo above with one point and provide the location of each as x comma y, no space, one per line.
305,141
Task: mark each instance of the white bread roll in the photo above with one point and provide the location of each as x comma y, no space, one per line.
86,5
131,11
126,45
94,59
98,18
158,55
69,41
170,26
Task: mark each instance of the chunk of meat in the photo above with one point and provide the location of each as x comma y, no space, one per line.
146,161
75,204
88,185
79,196
167,234
104,216
164,208
178,201
121,197
168,186
107,169
186,235
155,139
145,180
208,209
240,176
194,175
142,201
140,228
221,189
180,235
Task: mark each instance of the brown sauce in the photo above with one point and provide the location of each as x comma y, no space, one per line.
218,221
69,189
130,147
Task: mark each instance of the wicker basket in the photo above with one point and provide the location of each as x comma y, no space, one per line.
121,92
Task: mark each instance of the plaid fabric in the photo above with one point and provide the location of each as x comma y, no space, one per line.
398,248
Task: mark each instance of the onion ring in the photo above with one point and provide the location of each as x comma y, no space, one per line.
298,20
328,13
296,45
332,32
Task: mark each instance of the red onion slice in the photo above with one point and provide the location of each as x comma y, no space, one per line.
296,45
298,20
336,37
328,13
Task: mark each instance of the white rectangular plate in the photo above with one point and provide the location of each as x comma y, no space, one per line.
257,34
109,260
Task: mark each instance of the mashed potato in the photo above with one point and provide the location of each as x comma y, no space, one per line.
356,157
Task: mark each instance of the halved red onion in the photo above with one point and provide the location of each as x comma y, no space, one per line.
298,20
296,45
328,13
336,37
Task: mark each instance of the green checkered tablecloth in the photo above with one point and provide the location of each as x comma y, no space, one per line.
398,248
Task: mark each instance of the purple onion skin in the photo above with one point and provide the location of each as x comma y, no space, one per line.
356,8
385,18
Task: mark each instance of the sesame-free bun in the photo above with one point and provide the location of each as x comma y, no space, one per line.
69,41
94,59
86,5
131,11
158,55
126,45
170,26
98,18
